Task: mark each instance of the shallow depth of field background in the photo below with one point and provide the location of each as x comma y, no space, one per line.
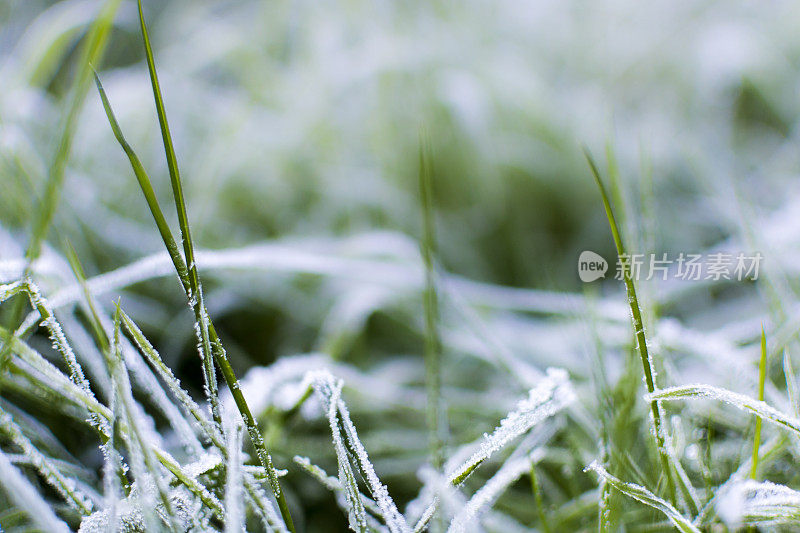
298,124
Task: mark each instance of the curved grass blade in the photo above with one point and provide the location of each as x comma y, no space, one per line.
759,408
147,188
195,294
641,339
206,327
643,495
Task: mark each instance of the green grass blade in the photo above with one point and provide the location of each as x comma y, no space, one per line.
94,317
141,454
762,377
169,150
146,348
791,382
759,408
91,53
146,187
46,466
180,266
208,336
433,343
537,496
638,327
643,495
196,294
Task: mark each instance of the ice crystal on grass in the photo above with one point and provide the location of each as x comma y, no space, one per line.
25,496
551,395
486,495
740,401
329,389
642,494
753,502
234,510
507,92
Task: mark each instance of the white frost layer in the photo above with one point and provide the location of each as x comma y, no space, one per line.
751,501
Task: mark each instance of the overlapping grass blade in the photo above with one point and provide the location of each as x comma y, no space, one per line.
209,340
489,492
141,454
759,408
27,498
210,431
146,187
326,387
65,486
550,396
639,332
195,293
646,497
752,502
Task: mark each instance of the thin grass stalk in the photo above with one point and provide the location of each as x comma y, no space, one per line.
537,496
196,293
216,346
147,189
91,53
762,378
433,345
138,446
641,339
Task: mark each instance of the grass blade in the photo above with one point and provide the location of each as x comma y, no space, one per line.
26,497
146,187
762,376
327,388
488,494
643,495
767,503
138,443
638,328
210,431
64,486
433,347
91,53
759,408
550,396
208,335
537,496
195,294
